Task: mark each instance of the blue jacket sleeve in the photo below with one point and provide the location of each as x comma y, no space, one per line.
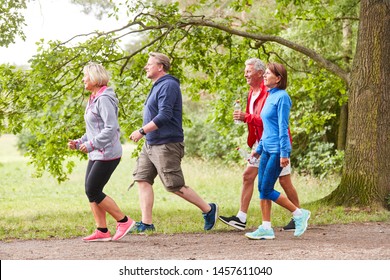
284,107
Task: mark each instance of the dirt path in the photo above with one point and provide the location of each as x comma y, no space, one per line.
363,241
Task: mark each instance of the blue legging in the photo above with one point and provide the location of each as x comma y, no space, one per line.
269,171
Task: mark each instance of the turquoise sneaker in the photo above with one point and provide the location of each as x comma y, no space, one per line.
301,222
261,233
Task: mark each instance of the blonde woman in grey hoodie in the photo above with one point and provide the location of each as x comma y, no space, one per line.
102,144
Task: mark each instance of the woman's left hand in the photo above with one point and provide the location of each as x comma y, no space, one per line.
284,162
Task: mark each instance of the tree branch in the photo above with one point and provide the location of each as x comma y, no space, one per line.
201,21
334,68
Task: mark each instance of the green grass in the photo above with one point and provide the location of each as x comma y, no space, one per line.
40,208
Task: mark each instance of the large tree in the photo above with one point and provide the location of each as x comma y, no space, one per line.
364,180
208,48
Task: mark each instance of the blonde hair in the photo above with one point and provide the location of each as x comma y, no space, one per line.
97,73
163,59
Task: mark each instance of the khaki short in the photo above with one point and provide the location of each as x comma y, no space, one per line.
163,160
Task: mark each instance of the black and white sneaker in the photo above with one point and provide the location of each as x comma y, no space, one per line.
233,221
290,226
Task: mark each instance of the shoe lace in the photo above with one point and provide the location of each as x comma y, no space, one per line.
298,221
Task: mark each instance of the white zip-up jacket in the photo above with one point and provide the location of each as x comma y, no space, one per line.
102,137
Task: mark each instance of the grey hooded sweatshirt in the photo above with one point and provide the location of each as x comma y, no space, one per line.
102,137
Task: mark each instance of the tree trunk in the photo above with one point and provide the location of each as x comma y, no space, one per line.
365,180
347,56
343,125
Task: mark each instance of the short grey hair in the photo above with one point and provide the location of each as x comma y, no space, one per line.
257,63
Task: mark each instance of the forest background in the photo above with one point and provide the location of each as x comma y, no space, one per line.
336,53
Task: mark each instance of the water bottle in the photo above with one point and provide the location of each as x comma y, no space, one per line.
247,156
237,107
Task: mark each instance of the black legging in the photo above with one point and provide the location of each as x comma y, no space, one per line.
97,176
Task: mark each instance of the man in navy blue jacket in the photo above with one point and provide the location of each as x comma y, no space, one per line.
164,146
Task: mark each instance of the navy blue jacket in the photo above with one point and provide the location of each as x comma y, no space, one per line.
164,107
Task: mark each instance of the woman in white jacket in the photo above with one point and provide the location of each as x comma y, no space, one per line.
102,144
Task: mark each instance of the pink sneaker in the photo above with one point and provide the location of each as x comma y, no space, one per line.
98,236
122,229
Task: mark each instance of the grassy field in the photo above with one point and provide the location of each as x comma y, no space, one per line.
40,208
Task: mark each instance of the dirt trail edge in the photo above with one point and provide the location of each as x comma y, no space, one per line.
360,241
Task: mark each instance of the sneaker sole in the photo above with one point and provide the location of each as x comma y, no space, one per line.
99,240
306,224
145,232
233,224
260,238
289,229
123,235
